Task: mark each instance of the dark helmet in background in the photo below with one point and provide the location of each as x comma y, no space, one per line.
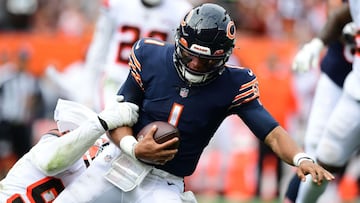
206,32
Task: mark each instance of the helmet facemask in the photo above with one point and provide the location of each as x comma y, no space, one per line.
214,67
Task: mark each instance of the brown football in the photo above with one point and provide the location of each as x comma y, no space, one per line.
165,131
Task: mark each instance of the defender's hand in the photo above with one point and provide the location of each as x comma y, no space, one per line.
119,114
308,56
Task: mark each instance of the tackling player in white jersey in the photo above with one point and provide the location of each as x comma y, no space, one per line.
56,160
120,24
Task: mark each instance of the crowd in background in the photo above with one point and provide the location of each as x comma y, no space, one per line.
269,33
274,18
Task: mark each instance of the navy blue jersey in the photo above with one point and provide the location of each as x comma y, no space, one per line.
197,111
335,64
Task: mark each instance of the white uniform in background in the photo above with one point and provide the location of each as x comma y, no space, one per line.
340,139
120,24
352,82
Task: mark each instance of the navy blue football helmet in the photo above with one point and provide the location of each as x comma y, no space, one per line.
208,33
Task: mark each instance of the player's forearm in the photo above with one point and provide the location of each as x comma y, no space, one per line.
282,145
117,134
124,139
57,155
337,19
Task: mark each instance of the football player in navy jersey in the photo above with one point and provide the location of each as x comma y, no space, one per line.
188,85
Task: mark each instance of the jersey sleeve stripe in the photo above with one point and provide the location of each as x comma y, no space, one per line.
135,69
248,92
246,85
134,60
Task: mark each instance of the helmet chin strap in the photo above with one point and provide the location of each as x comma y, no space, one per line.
186,75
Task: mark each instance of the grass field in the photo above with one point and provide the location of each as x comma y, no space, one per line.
219,199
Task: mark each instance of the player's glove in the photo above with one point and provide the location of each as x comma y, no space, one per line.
119,114
308,56
349,32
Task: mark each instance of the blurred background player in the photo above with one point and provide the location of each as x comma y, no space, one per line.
20,100
334,109
56,160
334,66
120,24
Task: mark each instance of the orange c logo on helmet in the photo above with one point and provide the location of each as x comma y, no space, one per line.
231,30
184,42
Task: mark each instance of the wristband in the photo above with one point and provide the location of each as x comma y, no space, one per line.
127,145
300,157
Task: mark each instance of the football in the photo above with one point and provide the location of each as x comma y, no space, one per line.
164,132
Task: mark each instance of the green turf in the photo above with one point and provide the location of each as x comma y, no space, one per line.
219,199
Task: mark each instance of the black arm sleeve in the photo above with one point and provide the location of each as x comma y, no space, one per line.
257,118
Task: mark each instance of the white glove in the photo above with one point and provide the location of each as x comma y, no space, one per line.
308,56
349,32
119,114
